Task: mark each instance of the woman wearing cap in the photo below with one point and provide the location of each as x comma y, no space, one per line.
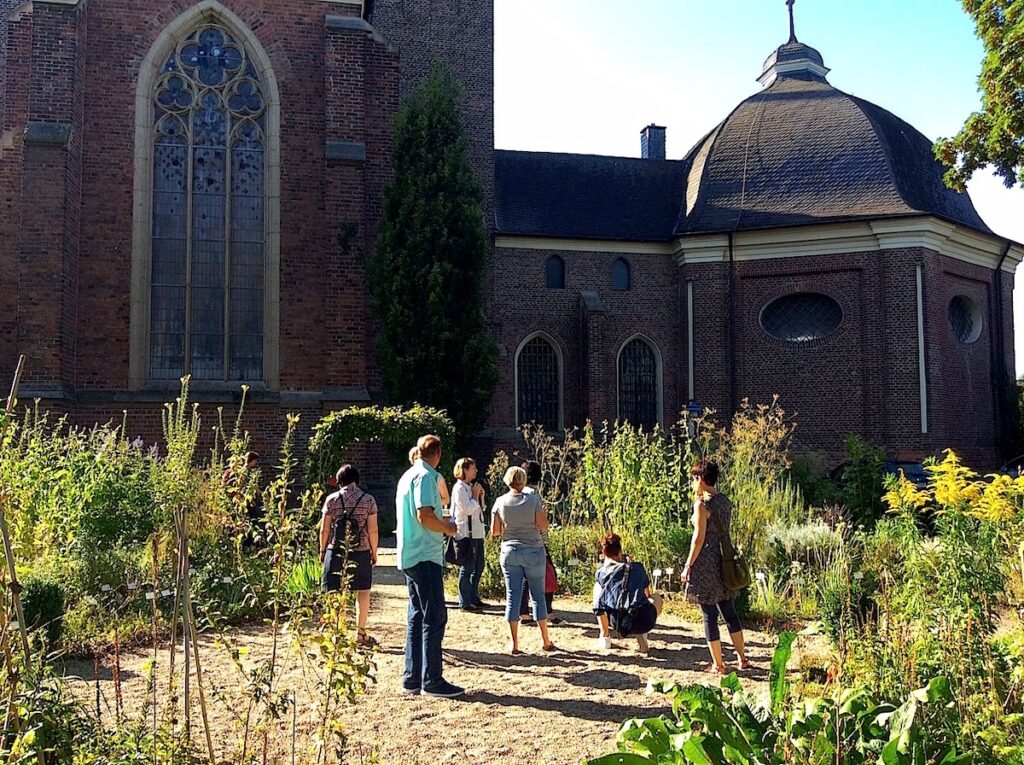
519,520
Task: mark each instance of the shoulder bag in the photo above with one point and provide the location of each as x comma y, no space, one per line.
735,571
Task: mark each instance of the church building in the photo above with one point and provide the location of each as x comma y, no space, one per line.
175,176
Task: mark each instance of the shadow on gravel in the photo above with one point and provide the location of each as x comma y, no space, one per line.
606,680
583,710
504,661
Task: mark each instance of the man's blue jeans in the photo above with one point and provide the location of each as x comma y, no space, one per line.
517,563
428,616
469,576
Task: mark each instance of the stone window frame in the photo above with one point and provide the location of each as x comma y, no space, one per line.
561,375
659,372
970,305
205,12
783,293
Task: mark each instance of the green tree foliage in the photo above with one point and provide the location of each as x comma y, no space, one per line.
426,272
995,135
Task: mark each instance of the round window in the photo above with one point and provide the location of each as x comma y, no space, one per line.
965,319
801,317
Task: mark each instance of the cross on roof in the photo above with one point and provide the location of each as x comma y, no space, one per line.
792,28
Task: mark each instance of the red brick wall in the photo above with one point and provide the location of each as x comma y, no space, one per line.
522,305
461,33
66,215
863,379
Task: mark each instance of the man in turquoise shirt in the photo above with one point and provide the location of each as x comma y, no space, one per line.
421,533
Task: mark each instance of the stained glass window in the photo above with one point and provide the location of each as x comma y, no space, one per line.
555,268
538,384
206,310
638,384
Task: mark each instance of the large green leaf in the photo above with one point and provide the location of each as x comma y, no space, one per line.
702,750
621,759
777,675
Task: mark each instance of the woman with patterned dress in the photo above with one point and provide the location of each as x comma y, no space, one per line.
703,572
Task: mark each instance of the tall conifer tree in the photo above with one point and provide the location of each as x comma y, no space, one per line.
426,274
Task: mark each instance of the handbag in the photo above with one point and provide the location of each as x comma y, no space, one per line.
460,552
735,570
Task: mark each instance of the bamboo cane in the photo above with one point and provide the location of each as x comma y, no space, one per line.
183,578
190,630
8,549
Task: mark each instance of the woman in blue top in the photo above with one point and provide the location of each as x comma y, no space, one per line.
520,519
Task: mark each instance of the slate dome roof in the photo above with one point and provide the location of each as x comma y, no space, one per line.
802,152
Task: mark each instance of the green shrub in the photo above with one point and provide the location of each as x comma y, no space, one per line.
863,480
811,544
817,488
42,599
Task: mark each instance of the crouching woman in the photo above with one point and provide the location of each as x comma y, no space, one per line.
623,600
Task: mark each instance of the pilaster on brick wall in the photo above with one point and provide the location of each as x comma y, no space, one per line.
51,191
361,94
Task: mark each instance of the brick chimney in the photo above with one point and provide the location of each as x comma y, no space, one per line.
652,142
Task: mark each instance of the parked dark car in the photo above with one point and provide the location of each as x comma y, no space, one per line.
913,471
1013,468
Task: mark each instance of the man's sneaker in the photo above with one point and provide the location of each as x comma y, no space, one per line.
604,642
471,608
481,604
443,690
410,689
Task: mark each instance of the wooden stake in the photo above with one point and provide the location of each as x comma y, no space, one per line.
8,549
190,622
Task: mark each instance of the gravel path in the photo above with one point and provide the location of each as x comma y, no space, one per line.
553,709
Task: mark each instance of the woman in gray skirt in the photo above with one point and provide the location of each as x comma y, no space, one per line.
703,572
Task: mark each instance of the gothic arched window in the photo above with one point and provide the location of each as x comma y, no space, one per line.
555,273
639,384
538,384
620,274
209,204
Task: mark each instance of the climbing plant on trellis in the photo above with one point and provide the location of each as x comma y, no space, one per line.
393,427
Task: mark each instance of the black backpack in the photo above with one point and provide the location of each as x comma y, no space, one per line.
347,533
623,616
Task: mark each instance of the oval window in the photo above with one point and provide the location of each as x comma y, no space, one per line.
801,317
965,319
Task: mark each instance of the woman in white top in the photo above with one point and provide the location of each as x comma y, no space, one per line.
468,514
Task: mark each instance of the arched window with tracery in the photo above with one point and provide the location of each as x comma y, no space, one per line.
539,384
639,384
209,199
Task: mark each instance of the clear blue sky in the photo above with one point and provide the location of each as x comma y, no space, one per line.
586,75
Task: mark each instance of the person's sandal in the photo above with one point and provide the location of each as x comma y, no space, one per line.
744,664
550,647
712,669
365,641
